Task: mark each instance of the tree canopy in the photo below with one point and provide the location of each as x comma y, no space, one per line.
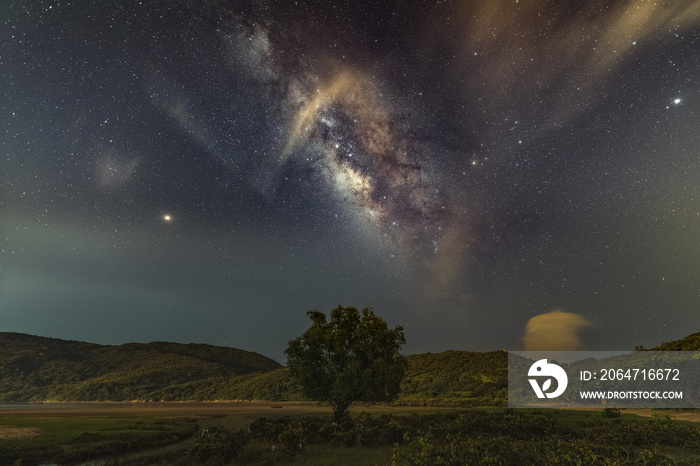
353,357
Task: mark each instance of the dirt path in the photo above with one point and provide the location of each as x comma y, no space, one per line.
188,409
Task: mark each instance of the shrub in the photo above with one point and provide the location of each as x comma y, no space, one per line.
218,443
294,437
427,449
661,417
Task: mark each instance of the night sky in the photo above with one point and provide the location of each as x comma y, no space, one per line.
208,171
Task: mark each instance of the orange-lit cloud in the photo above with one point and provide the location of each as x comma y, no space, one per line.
554,331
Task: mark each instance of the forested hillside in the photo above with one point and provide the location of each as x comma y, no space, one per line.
689,343
37,368
40,369
48,369
456,378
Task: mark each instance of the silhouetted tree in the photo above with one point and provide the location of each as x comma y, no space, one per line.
354,357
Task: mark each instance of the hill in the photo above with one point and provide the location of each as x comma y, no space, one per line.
36,368
451,378
455,378
40,369
689,343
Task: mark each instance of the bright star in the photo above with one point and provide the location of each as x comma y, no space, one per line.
167,218
677,100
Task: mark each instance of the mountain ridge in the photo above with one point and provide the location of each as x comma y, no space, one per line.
35,369
689,343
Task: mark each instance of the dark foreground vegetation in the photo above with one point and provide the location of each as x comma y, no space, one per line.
30,440
493,436
473,437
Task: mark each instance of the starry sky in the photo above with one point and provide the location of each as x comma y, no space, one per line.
208,171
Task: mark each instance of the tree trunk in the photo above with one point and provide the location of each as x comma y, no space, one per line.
339,410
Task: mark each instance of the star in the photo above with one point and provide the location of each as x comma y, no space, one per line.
167,218
675,101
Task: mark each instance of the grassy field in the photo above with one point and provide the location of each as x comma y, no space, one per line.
61,438
63,434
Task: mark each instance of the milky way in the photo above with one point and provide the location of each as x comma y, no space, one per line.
340,122
463,166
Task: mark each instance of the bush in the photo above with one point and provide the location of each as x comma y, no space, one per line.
294,437
611,412
479,437
661,417
218,443
428,449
